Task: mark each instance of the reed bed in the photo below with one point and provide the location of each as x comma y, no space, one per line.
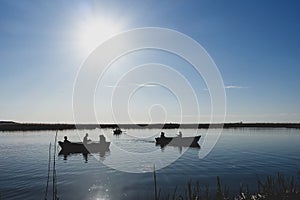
271,188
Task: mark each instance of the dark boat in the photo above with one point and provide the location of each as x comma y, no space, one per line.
79,147
178,141
117,131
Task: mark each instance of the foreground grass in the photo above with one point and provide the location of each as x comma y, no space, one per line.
272,188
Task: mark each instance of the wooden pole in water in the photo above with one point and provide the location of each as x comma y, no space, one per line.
54,194
48,177
155,190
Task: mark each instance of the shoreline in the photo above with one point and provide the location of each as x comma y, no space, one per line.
14,126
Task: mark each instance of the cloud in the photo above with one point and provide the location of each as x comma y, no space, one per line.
134,84
231,87
147,85
234,87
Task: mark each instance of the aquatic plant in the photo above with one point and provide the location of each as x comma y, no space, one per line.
54,181
272,188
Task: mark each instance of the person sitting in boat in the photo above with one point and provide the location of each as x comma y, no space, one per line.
66,140
162,135
102,139
180,134
85,139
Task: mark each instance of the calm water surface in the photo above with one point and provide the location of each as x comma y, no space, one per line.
239,156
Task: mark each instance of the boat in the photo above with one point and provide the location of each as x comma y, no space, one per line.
178,141
79,147
117,131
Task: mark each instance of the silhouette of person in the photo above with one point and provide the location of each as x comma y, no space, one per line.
179,134
66,140
162,135
85,139
102,139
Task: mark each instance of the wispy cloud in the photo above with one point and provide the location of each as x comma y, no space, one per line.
231,87
147,85
235,87
133,84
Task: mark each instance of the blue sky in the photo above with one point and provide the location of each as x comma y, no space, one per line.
255,44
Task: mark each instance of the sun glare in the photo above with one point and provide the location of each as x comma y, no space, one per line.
95,30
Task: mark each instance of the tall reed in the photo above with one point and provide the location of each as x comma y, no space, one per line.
271,188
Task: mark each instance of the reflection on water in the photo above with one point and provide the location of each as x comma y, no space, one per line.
238,157
102,154
179,147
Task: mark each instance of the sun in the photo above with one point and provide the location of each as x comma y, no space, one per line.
93,31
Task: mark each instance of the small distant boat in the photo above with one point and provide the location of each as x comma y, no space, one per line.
178,141
79,147
117,131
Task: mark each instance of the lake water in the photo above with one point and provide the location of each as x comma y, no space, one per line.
239,156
